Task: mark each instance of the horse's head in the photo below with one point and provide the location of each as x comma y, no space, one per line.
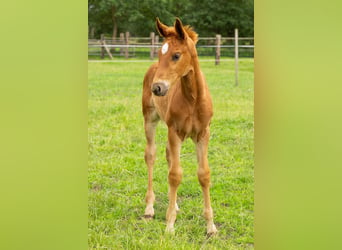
175,56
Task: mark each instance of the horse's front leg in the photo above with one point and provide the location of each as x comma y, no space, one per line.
174,177
204,179
150,156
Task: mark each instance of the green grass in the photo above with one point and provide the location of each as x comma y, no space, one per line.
118,175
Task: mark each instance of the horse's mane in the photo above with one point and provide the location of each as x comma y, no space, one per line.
191,33
188,29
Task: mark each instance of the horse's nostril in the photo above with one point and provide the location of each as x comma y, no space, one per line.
156,89
159,88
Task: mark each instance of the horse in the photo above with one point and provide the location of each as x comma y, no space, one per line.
175,91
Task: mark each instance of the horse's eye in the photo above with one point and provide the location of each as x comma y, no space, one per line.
176,56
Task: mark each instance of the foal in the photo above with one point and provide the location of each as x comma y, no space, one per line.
175,91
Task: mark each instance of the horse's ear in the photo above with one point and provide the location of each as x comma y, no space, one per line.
179,28
161,28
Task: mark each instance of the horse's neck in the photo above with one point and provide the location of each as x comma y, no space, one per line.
193,85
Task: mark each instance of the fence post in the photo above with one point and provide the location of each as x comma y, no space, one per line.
152,36
156,43
218,49
102,46
236,57
126,43
122,42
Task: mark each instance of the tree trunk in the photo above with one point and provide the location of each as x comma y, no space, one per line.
115,28
92,32
115,25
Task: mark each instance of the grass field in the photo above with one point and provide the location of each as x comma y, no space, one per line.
118,175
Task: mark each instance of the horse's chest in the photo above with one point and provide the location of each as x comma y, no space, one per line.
184,121
187,118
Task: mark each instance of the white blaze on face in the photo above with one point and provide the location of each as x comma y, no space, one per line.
165,48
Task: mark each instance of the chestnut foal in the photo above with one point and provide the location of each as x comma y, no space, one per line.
175,91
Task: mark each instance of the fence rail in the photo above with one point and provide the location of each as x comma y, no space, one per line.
147,47
158,46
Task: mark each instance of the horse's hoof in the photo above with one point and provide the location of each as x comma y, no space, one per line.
148,217
149,212
212,234
170,230
211,231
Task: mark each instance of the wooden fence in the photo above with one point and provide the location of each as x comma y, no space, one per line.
147,47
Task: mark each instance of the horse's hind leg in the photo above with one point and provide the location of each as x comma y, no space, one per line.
168,158
204,179
174,177
150,156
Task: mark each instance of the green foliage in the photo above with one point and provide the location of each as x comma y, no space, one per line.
118,175
207,17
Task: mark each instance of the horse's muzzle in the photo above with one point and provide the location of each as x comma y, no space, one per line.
160,88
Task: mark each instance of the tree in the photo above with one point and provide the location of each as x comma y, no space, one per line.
222,17
208,17
106,13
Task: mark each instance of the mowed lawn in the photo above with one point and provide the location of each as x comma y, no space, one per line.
118,174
